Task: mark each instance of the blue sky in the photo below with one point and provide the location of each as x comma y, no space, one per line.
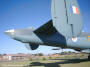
30,13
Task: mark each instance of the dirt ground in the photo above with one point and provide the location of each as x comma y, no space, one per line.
62,61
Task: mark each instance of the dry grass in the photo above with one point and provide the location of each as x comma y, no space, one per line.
61,61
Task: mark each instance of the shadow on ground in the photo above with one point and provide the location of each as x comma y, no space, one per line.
57,64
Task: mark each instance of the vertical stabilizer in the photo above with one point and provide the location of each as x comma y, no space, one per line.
66,17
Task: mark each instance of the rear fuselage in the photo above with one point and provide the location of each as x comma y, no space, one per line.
56,40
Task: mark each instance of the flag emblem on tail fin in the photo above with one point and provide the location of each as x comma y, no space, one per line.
75,10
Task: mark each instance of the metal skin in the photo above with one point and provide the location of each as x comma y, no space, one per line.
33,37
64,30
29,36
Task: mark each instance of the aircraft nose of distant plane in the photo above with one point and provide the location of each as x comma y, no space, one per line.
10,32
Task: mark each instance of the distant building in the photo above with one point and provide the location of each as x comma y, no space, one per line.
10,57
1,57
56,55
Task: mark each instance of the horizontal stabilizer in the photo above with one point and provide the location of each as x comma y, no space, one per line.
46,29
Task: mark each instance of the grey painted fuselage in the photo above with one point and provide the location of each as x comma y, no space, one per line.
64,30
56,40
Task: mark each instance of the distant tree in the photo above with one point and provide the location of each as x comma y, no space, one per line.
50,57
35,54
40,54
69,52
4,54
44,59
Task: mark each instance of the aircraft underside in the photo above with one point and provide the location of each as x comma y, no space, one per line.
63,30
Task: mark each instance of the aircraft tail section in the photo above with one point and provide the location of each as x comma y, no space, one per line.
66,17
